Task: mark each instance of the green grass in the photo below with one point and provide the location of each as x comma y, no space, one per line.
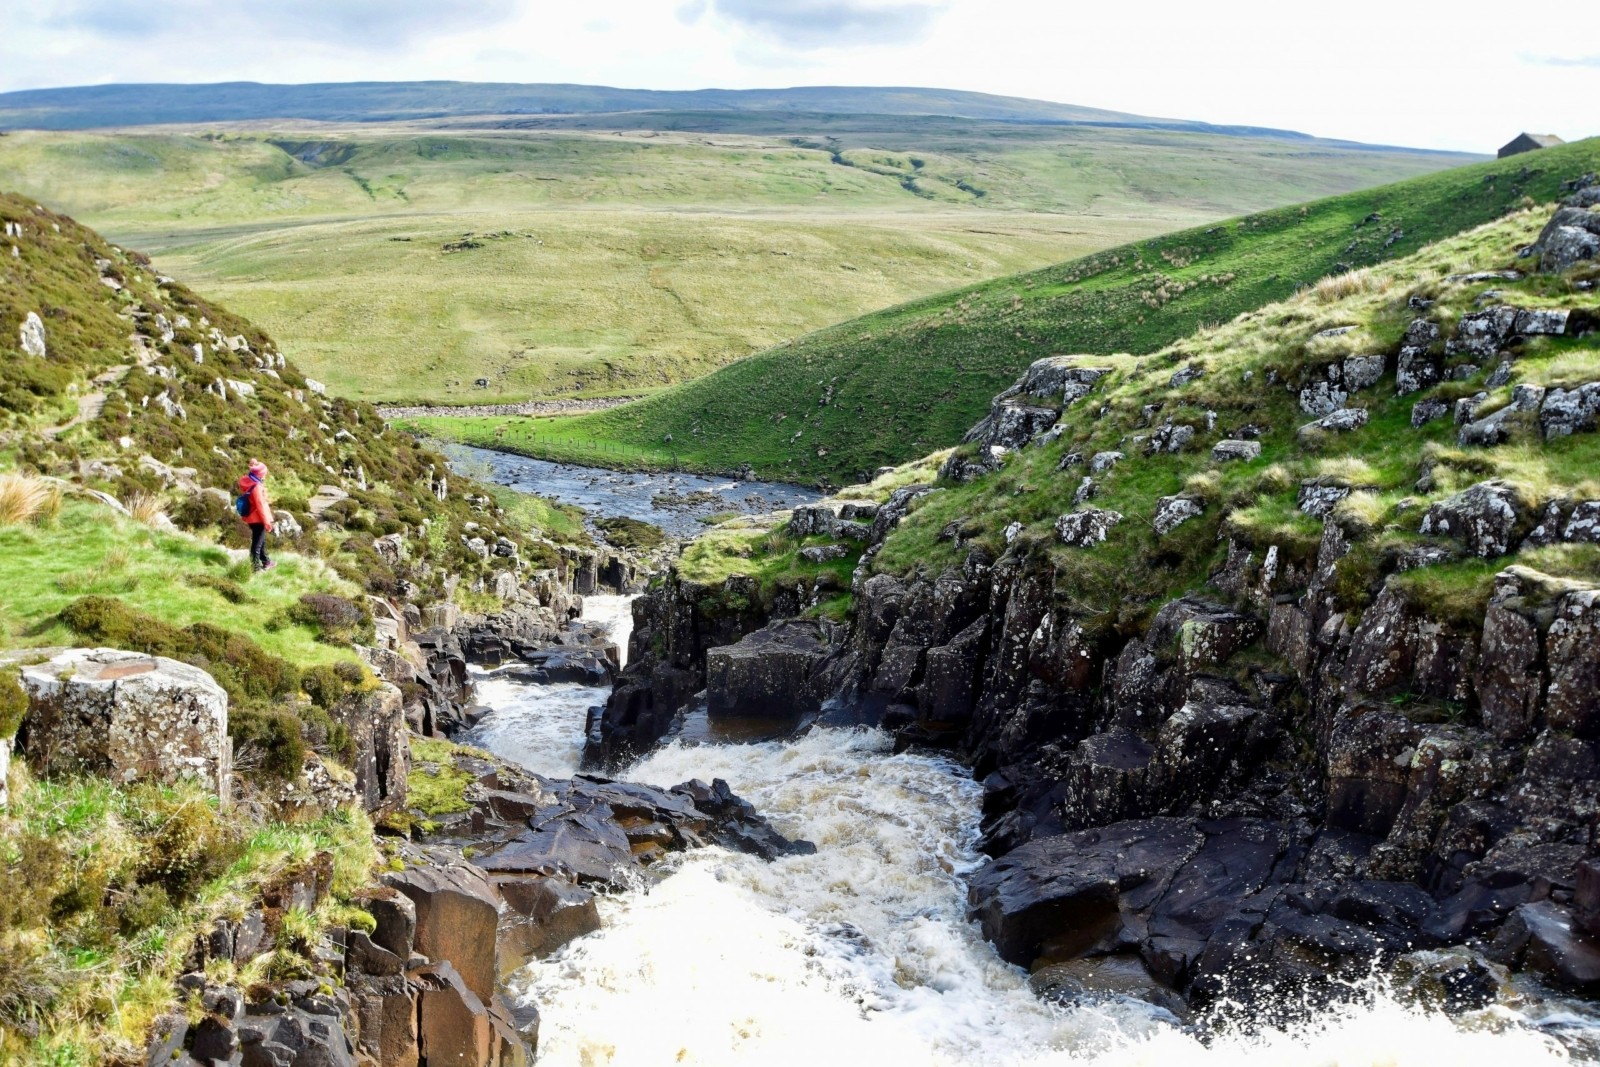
914,378
89,550
609,263
1116,584
108,886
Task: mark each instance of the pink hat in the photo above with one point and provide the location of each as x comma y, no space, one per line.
258,468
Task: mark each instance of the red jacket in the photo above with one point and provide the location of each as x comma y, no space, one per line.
260,512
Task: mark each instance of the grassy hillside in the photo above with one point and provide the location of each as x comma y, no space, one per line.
900,383
404,262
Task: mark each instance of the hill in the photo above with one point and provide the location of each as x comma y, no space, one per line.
84,107
408,261
893,385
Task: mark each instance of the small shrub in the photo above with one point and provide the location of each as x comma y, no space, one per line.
267,742
338,620
145,907
324,685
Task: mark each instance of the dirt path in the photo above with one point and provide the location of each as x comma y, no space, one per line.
91,404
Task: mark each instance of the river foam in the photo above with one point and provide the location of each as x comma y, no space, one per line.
861,954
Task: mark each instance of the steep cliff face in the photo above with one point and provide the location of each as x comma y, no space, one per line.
1275,651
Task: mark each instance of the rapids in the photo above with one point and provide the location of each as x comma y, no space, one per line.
861,954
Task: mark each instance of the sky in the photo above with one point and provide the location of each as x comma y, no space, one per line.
1424,73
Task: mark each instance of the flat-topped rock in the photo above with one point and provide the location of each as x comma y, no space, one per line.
127,716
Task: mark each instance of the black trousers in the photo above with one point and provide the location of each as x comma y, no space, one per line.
258,545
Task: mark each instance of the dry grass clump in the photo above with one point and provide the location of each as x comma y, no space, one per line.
1337,287
27,498
147,509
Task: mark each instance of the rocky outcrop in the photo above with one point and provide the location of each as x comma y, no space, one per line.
774,672
1036,401
674,626
128,717
380,744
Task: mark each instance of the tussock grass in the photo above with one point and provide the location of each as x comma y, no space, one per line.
26,499
1336,287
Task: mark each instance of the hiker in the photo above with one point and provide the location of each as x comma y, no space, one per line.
256,512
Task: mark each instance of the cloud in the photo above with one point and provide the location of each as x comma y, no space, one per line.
826,23
360,24
1564,61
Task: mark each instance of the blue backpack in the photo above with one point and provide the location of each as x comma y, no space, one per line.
242,505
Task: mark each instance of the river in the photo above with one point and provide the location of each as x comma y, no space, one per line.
675,502
862,954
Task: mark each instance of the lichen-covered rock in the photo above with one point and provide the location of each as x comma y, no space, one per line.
1483,334
1361,372
376,722
1322,398
1496,428
1426,410
1032,405
1086,527
1417,367
1231,451
1343,420
1170,438
1013,423
1569,411
1488,518
1571,236
127,716
1584,523
811,520
1101,462
1573,658
963,468
822,553
32,335
1173,511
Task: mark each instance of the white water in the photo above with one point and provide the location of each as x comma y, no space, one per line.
541,726
861,954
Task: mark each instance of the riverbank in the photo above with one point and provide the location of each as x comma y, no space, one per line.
529,408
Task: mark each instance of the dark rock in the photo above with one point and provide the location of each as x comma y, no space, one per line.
1488,518
769,673
1057,897
542,914
457,911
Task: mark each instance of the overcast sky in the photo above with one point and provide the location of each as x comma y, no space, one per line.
1428,73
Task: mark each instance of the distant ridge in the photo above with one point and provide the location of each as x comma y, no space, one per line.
91,106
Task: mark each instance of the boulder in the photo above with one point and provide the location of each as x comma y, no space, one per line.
1496,427
127,716
385,1012
1483,334
1322,398
1572,653
1013,423
1229,451
1568,411
1088,526
1553,947
1173,511
32,335
1417,366
1488,518
823,553
1320,498
1426,410
769,673
458,911
453,1025
1059,897
811,520
1571,236
1104,461
275,1035
1341,421
1584,523
1360,372
541,915
585,847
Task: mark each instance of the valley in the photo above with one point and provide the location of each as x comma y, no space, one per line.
408,262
